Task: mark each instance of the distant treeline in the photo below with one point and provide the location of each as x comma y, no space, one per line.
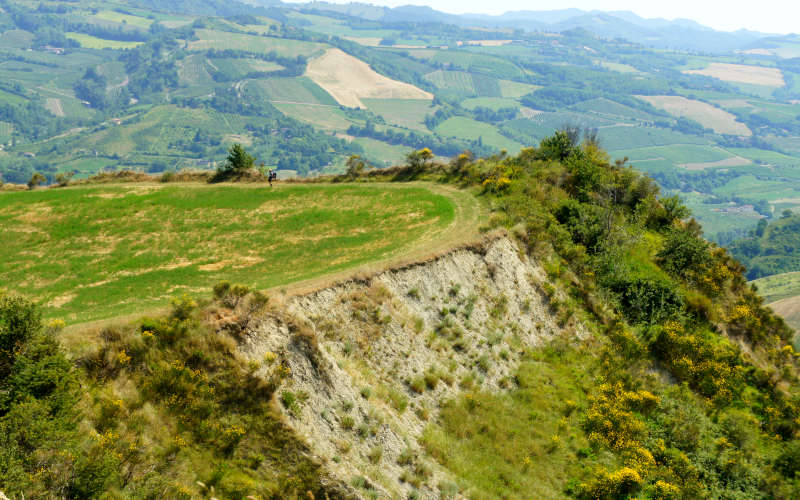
292,66
439,145
770,248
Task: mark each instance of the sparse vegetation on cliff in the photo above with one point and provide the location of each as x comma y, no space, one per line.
688,387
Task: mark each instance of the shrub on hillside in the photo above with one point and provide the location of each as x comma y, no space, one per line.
238,166
419,159
356,166
42,453
64,178
646,299
120,176
36,180
683,253
621,483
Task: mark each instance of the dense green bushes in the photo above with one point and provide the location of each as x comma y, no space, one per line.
163,408
42,451
695,389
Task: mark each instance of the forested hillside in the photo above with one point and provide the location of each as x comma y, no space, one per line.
770,248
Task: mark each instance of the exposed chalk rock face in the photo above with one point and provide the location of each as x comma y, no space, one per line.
365,365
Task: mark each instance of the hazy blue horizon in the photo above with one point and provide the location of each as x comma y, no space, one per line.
770,16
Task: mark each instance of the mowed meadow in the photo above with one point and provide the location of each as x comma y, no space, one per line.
95,252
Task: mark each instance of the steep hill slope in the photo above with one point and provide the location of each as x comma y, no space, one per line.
787,308
595,347
364,412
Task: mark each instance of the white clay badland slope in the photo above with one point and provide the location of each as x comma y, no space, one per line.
378,333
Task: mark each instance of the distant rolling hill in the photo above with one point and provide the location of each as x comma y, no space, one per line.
142,85
675,34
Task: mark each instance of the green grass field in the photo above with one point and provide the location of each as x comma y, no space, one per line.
782,293
520,443
544,124
95,252
195,70
381,153
29,75
409,113
779,286
292,90
715,217
749,186
515,89
473,61
493,103
469,129
118,17
238,68
9,98
457,81
611,109
326,117
626,137
765,156
462,83
16,39
92,42
336,27
86,166
677,153
171,21
6,129
776,111
71,106
221,40
156,130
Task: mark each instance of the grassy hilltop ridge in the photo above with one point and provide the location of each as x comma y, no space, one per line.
670,379
94,252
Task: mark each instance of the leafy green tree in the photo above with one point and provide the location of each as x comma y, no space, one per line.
39,394
92,89
238,159
356,166
238,164
63,178
558,146
646,299
761,227
669,210
19,321
36,180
